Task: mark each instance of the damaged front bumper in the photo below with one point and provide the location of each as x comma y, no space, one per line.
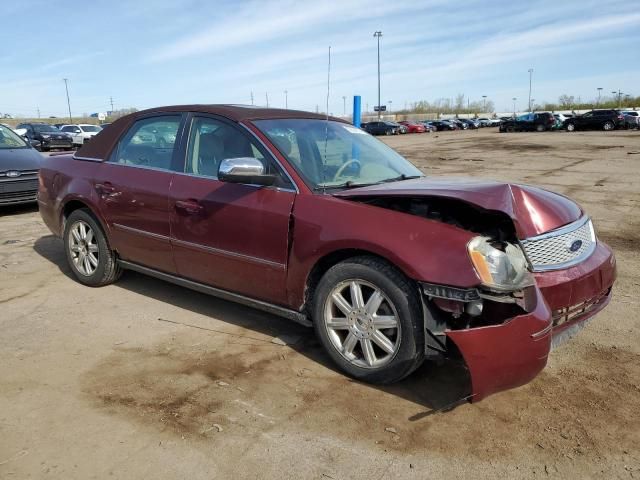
507,355
505,348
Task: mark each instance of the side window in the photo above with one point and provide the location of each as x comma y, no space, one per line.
211,141
149,143
67,129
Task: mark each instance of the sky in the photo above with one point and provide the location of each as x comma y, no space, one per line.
163,52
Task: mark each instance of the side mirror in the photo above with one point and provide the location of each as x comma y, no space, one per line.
244,170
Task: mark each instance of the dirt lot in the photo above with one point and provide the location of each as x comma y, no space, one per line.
147,380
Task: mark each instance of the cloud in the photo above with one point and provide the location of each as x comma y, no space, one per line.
258,23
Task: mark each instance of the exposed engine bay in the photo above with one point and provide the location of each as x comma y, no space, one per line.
496,225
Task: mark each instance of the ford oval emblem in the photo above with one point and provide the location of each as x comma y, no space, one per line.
575,245
13,174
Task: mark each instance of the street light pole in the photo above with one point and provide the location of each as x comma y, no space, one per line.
378,34
599,91
514,106
484,103
286,100
66,87
619,94
530,76
344,105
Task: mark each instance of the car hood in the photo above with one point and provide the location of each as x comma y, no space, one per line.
532,209
19,159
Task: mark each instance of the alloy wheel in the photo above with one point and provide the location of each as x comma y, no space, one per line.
83,247
362,323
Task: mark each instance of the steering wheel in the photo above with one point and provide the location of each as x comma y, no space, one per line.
344,167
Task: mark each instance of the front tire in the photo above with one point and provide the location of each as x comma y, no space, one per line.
88,254
571,127
540,128
368,317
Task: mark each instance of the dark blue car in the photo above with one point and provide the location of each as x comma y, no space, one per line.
19,165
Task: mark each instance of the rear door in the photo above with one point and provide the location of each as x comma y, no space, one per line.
133,191
230,236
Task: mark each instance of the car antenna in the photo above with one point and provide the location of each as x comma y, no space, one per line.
326,126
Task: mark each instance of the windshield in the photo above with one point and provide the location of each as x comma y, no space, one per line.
45,128
9,139
332,154
90,128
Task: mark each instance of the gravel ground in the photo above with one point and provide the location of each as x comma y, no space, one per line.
147,380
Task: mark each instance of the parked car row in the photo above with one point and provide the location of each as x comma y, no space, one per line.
386,127
44,136
606,119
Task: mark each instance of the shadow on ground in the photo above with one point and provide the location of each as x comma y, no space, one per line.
435,386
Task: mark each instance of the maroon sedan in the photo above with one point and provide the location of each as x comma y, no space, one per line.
413,127
315,220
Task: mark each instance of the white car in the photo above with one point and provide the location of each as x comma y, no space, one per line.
81,133
631,118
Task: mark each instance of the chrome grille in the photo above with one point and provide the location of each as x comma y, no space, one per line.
561,248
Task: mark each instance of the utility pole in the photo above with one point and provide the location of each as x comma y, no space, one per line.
266,94
251,98
599,91
530,76
38,108
484,103
66,86
317,108
112,109
286,100
377,35
619,94
344,105
514,106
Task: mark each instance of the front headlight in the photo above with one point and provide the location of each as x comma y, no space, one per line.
502,269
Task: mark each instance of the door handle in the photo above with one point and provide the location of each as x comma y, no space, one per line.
105,188
189,206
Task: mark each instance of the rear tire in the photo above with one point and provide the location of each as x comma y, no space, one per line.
89,256
540,128
374,331
608,126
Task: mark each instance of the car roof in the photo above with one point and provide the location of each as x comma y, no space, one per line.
100,147
239,113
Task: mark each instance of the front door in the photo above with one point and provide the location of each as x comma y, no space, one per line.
133,192
230,236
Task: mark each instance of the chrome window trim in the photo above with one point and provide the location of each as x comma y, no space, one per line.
216,179
88,159
557,232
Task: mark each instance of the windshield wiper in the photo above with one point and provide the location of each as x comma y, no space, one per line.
347,184
399,178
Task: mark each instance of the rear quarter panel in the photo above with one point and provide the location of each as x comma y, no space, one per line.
63,179
423,249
